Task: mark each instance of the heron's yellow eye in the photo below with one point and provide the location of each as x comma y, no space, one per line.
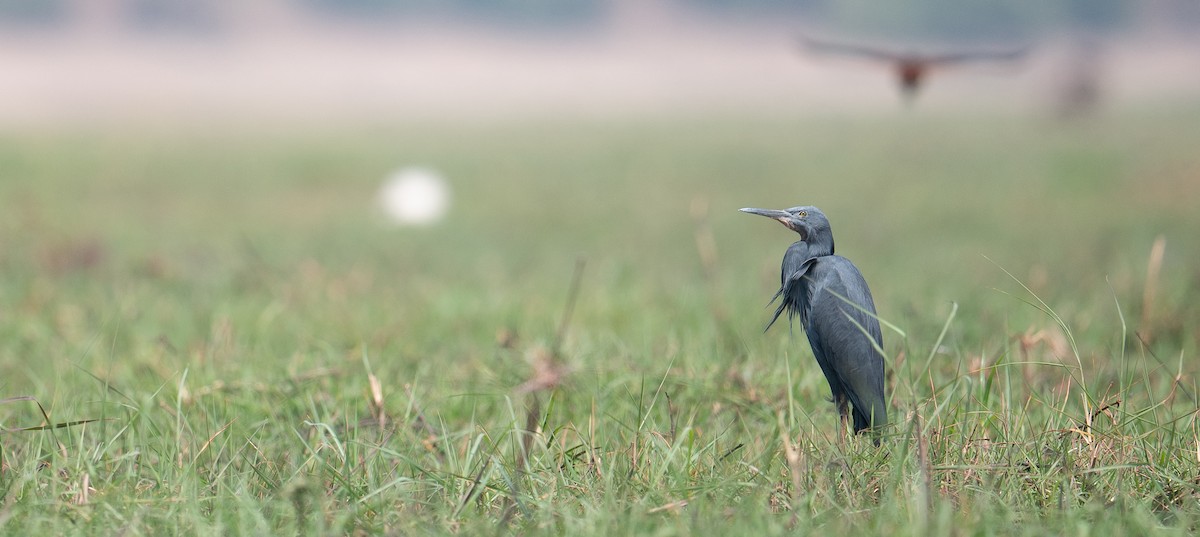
802,214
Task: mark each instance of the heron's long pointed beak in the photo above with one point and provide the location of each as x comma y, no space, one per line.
769,213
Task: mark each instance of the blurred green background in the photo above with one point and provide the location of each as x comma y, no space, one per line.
195,262
124,251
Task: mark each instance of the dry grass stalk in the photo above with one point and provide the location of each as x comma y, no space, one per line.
376,401
1150,290
795,464
673,507
85,490
923,459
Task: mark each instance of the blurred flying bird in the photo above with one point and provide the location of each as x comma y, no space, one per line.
911,67
831,298
1081,78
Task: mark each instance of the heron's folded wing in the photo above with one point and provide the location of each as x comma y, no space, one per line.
843,314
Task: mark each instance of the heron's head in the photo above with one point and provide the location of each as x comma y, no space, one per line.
808,221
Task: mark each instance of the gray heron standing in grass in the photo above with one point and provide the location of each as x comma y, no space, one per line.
831,298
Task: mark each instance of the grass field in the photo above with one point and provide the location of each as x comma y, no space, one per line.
259,354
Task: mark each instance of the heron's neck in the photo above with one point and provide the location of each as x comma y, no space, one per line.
818,249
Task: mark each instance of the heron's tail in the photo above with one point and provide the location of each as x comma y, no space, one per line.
871,416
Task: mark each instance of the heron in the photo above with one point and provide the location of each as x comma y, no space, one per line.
830,296
910,67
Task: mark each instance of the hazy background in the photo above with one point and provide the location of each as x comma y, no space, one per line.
150,60
197,276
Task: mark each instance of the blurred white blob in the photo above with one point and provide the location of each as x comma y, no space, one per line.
414,196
